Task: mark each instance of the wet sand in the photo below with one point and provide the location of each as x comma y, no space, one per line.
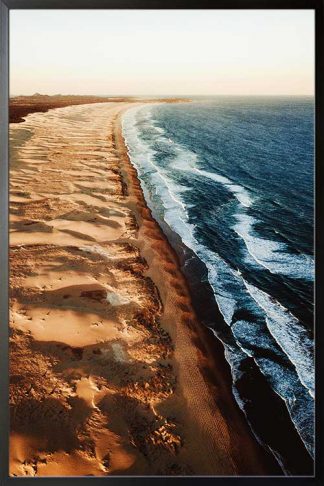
110,370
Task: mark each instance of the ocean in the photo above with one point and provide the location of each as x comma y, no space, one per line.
230,181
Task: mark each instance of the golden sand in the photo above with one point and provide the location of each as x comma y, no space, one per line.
106,374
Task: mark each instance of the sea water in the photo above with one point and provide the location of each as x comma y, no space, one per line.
233,178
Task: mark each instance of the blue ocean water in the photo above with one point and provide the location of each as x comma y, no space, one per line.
233,178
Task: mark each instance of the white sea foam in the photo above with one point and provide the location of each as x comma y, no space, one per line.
270,254
142,156
231,294
241,194
290,335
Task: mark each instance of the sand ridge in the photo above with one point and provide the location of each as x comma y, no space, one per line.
105,374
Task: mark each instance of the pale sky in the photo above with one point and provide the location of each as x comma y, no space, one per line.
162,52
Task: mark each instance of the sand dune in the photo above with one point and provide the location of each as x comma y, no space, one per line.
106,373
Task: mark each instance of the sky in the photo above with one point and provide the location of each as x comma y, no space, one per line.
162,52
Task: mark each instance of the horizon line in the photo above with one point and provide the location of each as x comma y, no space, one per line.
162,95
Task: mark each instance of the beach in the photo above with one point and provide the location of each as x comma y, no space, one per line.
111,371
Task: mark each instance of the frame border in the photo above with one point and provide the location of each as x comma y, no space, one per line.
5,7
4,236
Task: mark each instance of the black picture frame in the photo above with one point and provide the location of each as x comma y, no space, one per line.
5,7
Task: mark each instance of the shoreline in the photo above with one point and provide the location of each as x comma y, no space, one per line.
254,393
210,347
253,390
158,367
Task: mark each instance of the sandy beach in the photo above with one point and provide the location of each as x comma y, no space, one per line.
111,373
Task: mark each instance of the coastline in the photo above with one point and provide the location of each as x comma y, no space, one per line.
265,412
190,420
21,106
210,350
